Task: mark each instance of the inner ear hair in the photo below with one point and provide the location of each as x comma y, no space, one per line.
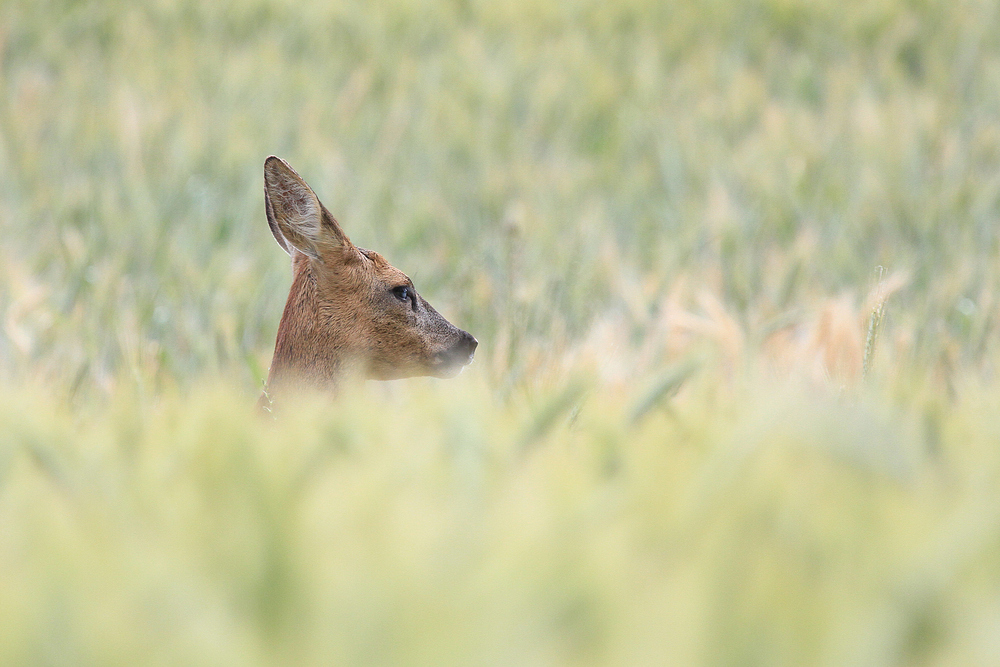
273,224
332,227
296,215
293,207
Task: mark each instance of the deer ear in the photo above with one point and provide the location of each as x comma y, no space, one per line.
295,215
273,223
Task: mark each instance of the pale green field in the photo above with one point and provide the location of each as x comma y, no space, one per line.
668,225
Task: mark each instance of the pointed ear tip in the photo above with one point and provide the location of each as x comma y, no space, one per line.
274,164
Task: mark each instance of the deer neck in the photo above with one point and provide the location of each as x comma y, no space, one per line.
307,349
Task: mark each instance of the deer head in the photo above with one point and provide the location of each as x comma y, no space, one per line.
348,308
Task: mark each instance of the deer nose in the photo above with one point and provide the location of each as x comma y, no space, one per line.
459,354
465,348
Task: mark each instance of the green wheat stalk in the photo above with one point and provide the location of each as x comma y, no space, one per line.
874,322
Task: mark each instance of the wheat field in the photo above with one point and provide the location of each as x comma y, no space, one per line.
734,268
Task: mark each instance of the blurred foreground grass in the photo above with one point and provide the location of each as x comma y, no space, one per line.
663,221
747,525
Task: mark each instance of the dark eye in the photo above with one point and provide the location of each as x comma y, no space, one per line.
403,293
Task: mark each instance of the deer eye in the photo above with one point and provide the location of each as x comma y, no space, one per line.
403,293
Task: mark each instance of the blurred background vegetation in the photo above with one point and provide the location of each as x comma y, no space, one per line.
668,224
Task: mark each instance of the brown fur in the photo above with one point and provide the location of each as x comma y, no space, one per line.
345,308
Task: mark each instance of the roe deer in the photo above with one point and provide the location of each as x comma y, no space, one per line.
348,308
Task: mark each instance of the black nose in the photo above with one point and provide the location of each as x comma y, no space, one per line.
470,343
463,350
